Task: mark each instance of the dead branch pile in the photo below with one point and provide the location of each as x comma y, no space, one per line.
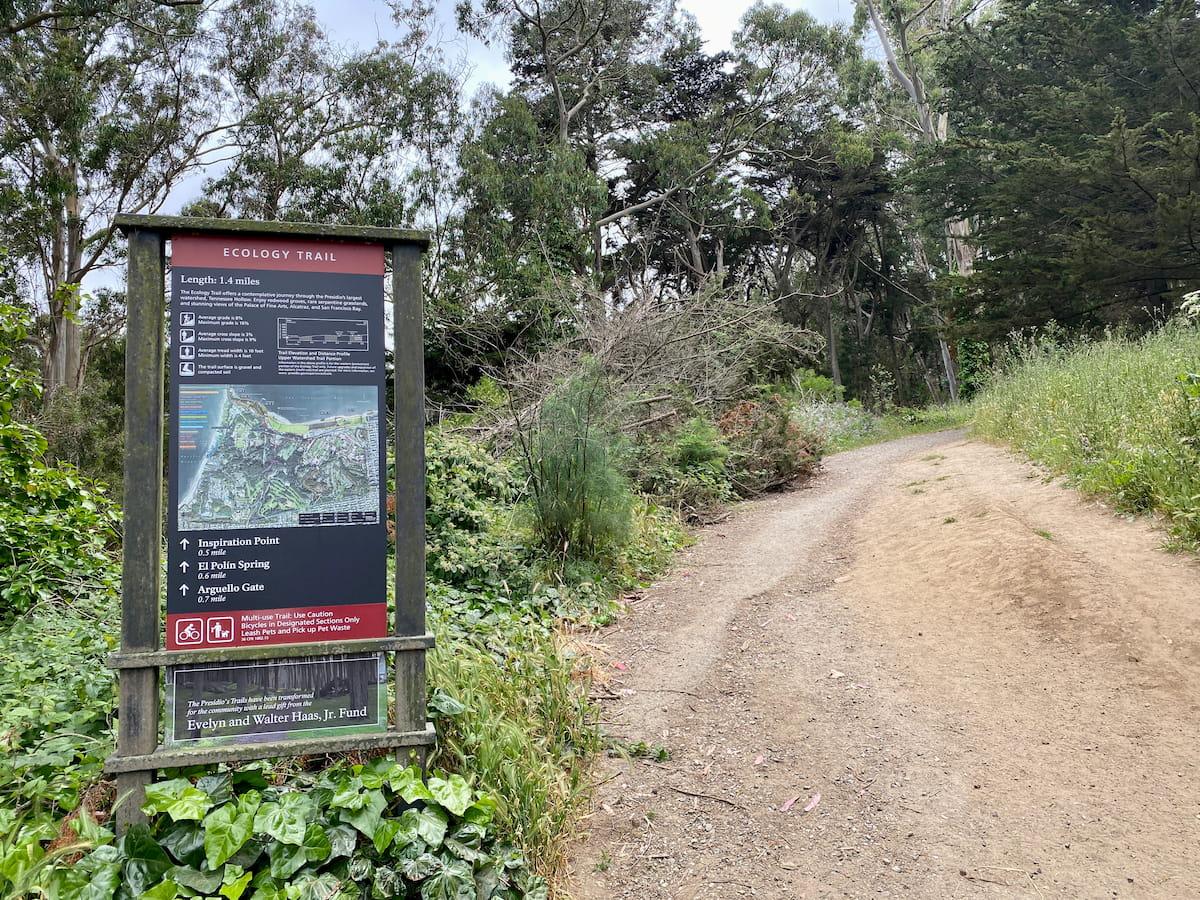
660,357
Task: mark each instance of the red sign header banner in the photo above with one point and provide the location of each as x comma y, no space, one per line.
283,254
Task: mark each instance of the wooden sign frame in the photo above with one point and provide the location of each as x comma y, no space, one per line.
139,752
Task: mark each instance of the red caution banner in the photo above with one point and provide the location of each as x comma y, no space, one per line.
264,627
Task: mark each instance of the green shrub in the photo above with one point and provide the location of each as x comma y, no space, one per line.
470,545
686,468
770,450
580,501
57,529
1120,416
56,706
373,830
809,385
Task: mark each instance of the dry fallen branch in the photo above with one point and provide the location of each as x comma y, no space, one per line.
659,358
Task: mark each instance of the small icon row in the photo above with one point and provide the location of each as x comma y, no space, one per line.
187,344
188,632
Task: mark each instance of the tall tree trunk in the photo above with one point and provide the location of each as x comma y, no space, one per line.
960,255
835,369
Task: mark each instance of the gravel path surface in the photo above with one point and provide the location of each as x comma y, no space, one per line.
930,672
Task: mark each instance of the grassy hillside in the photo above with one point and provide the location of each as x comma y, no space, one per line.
1120,416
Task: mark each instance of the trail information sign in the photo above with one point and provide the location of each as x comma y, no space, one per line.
276,635
276,514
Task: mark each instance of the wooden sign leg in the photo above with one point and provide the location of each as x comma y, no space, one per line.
409,411
137,731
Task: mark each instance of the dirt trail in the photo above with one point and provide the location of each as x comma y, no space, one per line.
991,683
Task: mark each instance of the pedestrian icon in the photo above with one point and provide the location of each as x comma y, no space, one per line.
187,318
187,351
187,368
220,630
187,335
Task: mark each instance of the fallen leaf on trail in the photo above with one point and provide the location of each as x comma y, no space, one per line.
758,760
812,803
788,804
619,666
842,579
834,674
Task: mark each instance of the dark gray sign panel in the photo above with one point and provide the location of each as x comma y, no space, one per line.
277,525
262,700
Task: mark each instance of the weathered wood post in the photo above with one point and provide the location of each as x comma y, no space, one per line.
137,730
408,405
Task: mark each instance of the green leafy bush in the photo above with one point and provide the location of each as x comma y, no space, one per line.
769,448
580,501
806,384
375,830
57,529
1120,416
470,547
686,468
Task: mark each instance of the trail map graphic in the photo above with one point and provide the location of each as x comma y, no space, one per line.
262,470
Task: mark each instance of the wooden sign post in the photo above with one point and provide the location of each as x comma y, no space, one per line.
275,628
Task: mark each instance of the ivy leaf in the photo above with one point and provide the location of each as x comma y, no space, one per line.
453,793
202,882
349,794
285,824
342,840
420,867
534,887
387,883
286,859
105,874
225,831
233,885
385,834
145,861
367,819
481,811
453,881
267,888
462,851
218,787
430,825
310,886
317,846
178,799
164,890
442,703
378,771
408,784
185,842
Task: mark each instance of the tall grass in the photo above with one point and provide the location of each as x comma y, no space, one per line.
1120,416
524,733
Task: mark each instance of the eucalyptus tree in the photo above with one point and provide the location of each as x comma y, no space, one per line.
907,31
105,107
319,133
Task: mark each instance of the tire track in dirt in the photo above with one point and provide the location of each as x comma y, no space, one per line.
989,682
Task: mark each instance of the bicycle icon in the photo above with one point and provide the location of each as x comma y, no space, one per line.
189,631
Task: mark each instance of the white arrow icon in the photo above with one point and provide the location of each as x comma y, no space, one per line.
184,565
184,543
183,589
